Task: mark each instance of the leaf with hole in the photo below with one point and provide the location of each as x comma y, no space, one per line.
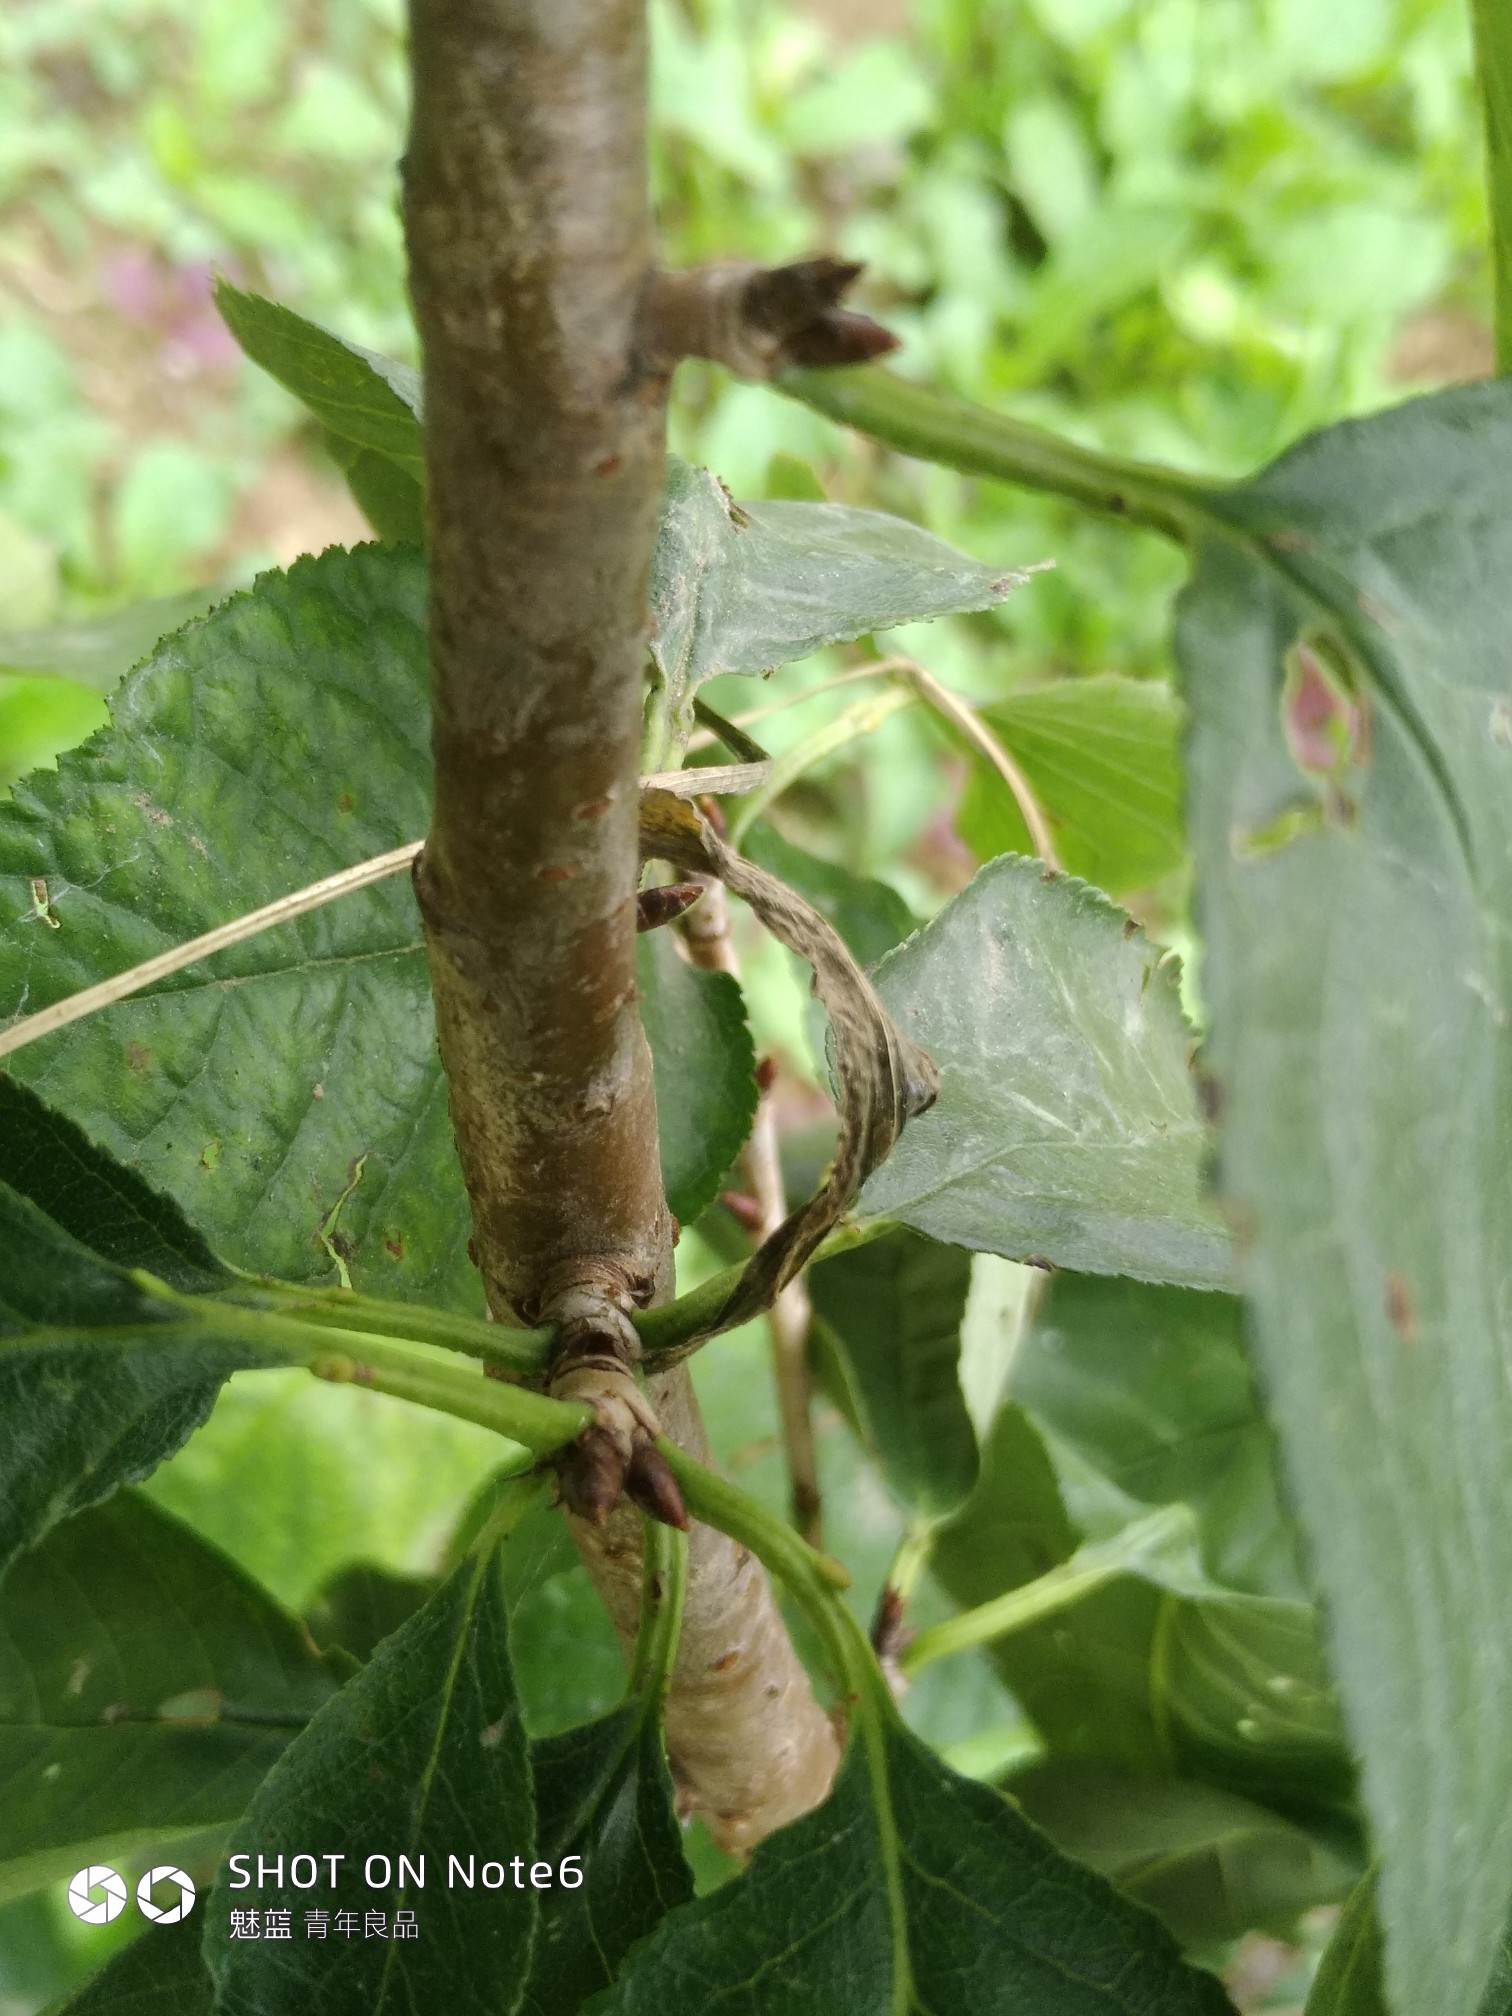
1350,757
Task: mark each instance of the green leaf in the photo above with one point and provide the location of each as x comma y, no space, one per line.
1066,1129
1154,1671
422,1755
281,738
360,397
1349,1977
1211,1865
938,1896
77,1419
603,1794
1348,1980
744,588
389,497
1493,52
869,915
1344,655
567,1661
706,1090
146,1687
159,1974
1103,757
1149,1389
894,1308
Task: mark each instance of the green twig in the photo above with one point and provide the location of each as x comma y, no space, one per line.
938,428
524,1353
812,1579
663,1592
1088,1569
410,1372
1493,63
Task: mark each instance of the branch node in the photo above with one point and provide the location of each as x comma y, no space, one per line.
758,320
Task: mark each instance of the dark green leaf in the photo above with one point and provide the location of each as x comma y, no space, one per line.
603,1794
1149,1389
705,1070
744,588
358,395
91,1197
282,737
869,915
362,1605
1343,646
927,1892
146,1686
1211,1865
1066,1128
77,1419
1103,757
161,1973
567,1660
422,1755
895,1309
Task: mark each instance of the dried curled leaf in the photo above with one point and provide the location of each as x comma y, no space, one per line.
884,1080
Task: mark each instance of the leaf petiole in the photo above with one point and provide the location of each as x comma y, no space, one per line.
1087,1569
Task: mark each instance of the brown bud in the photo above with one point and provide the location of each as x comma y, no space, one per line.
655,907
593,1475
652,1486
800,305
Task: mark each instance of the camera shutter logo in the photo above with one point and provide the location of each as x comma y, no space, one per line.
175,1913
97,1911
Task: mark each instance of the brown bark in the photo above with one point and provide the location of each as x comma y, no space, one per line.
707,931
530,253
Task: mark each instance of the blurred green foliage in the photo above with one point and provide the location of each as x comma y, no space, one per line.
1183,229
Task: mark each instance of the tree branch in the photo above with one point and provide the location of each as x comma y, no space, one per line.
530,254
